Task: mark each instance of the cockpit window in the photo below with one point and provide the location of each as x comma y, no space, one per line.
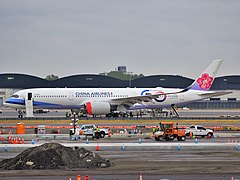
15,96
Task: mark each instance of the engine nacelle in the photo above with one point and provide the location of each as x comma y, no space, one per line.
98,108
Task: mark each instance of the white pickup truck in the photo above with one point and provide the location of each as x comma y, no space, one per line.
90,130
198,130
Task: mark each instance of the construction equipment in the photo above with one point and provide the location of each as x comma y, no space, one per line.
168,132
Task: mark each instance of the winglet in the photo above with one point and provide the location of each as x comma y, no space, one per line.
205,80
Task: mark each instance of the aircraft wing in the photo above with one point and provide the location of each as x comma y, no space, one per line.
215,93
138,99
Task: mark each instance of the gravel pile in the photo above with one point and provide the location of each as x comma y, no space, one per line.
54,156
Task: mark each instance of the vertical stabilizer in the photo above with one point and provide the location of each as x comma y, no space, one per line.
205,80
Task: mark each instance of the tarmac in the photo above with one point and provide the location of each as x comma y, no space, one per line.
217,158
136,155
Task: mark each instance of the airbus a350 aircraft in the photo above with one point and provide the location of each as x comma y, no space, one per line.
100,101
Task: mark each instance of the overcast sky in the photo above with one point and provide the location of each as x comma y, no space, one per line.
66,37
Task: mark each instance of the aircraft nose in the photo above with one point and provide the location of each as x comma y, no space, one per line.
6,104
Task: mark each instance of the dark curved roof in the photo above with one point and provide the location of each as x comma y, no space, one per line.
226,82
23,81
167,81
89,81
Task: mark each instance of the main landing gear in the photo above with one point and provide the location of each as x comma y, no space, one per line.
175,110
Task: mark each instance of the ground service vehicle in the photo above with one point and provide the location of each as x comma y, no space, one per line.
90,130
39,111
198,130
168,132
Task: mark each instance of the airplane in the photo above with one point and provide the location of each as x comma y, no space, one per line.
102,101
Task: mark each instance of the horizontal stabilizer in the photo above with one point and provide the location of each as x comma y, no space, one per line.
215,93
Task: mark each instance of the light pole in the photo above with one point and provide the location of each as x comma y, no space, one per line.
130,78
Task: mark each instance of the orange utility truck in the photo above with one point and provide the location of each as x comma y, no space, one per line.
168,132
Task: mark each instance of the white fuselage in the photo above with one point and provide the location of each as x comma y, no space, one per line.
74,98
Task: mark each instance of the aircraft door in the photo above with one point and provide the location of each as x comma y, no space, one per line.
181,96
71,96
29,104
29,96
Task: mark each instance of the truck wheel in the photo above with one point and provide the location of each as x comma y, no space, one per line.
159,138
171,138
102,134
97,135
183,138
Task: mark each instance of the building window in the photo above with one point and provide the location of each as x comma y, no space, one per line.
232,99
215,99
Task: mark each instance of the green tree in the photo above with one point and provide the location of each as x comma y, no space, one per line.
122,75
51,77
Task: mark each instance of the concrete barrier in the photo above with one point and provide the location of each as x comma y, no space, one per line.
162,146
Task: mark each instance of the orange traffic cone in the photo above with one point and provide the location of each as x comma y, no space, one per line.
78,177
109,134
97,148
10,139
22,140
191,134
86,177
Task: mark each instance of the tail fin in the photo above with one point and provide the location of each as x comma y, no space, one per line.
205,80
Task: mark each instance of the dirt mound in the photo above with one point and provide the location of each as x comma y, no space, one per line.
54,156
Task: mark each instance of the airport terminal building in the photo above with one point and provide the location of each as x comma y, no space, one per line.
11,83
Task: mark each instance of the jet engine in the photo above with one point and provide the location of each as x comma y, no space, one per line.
97,108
